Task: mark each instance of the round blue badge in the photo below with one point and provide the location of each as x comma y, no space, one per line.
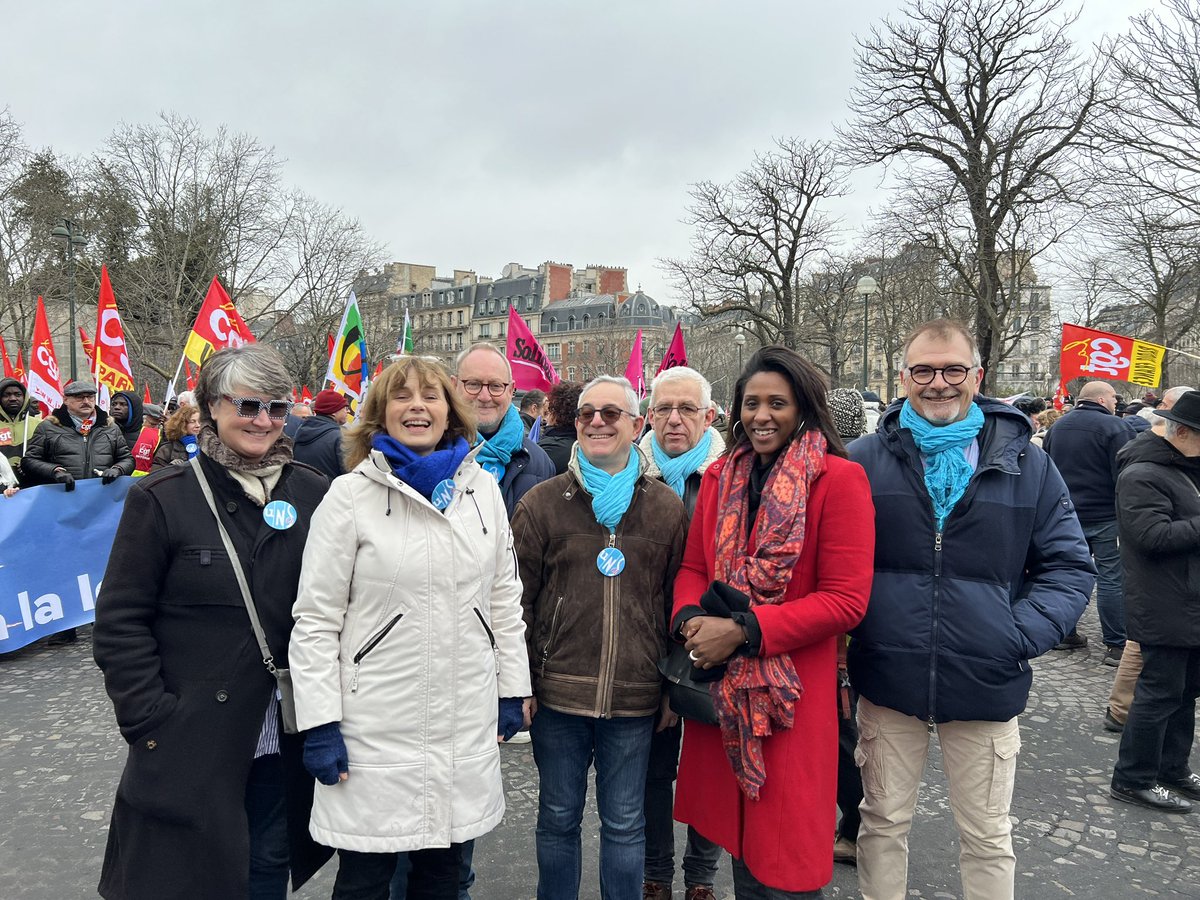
443,494
191,448
610,562
280,515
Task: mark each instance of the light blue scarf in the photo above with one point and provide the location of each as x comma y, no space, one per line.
611,494
947,471
497,451
676,469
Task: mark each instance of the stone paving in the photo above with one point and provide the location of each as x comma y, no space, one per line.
61,756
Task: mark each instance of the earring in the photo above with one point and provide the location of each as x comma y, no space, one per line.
734,430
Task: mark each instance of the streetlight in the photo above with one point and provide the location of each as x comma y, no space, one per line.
66,232
865,288
740,340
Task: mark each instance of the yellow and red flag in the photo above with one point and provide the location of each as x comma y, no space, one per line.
218,325
1087,353
348,360
43,381
111,363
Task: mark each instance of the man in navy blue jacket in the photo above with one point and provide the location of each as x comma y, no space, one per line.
980,566
1084,445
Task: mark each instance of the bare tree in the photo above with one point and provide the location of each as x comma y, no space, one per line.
828,305
755,234
983,103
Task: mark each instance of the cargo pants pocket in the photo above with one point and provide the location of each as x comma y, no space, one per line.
1004,771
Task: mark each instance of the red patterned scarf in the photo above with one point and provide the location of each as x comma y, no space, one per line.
759,692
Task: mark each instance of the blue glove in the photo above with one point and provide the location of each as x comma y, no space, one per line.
325,752
512,716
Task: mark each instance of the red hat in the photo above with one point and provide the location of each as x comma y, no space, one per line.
328,402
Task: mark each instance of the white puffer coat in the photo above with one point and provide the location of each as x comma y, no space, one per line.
408,631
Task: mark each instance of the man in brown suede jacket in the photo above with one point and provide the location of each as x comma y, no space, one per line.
598,548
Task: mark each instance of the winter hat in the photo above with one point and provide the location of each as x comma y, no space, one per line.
79,389
849,416
152,410
328,402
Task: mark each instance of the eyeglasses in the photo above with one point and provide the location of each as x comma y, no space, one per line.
495,388
250,407
950,374
685,410
610,414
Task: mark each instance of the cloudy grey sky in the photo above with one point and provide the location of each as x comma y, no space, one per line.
464,133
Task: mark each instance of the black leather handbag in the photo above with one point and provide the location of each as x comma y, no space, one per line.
688,698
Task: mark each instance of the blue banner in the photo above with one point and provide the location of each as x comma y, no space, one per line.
54,545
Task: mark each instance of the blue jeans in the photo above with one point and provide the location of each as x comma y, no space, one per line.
266,816
1110,587
564,747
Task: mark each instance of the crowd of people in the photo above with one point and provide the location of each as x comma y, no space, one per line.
318,631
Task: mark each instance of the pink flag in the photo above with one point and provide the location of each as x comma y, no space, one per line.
532,369
635,371
676,354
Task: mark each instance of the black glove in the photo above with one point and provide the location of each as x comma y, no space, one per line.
62,476
325,753
512,716
110,475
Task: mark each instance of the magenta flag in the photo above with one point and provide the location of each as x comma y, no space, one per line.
676,354
635,372
532,369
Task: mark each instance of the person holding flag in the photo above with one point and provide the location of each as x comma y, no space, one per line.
19,419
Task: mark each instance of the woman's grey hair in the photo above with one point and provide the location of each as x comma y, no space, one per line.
256,368
631,400
683,373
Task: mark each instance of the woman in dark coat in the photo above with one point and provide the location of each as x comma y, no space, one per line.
181,429
214,802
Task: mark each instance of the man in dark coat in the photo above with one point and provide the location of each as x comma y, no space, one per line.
125,410
1159,520
980,567
1084,445
318,439
78,441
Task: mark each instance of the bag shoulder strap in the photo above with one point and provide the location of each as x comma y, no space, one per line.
238,573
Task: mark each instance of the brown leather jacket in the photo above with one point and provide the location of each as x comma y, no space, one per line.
594,642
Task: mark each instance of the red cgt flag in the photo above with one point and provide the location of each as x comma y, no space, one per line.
111,363
8,366
218,325
187,373
19,368
44,382
676,354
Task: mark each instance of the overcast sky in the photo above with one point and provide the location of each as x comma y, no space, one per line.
469,134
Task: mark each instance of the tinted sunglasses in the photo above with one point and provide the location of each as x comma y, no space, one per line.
250,407
610,414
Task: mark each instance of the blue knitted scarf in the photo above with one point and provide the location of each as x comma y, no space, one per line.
676,469
422,473
611,494
947,471
498,450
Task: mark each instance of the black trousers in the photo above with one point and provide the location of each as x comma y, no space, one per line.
368,876
1161,727
849,779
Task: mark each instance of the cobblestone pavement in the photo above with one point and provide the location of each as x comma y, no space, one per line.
61,756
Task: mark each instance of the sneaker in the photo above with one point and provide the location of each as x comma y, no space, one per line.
1073,641
521,737
699,892
845,851
1112,656
655,890
1189,787
1111,723
1157,798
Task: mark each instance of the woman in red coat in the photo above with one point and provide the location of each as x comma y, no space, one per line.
786,520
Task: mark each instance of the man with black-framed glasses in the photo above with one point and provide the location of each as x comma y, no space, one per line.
980,566
484,379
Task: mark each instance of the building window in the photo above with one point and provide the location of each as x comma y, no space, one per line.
485,330
529,303
458,339
552,351
1035,321
491,307
460,317
479,308
570,373
553,324
587,320
570,323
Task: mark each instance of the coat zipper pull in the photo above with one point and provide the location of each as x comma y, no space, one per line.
354,680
